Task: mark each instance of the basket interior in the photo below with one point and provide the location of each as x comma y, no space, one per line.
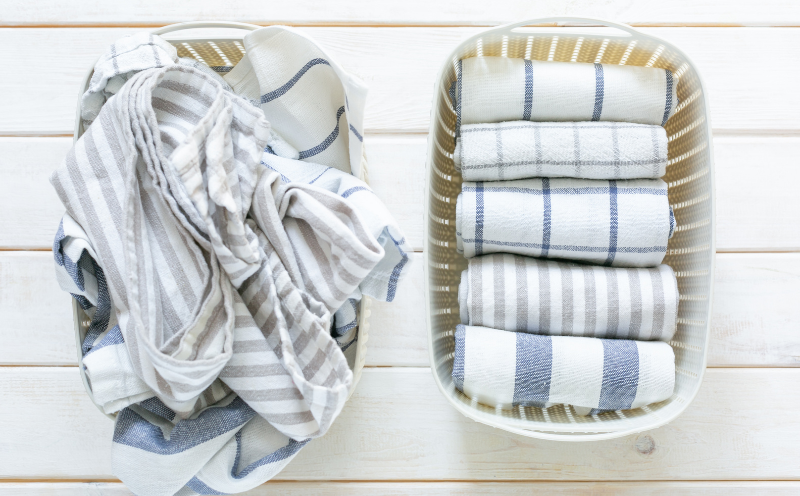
690,251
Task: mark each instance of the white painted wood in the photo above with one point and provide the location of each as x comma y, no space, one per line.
398,426
334,488
758,208
104,12
755,314
400,64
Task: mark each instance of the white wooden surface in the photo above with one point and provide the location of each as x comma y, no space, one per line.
398,435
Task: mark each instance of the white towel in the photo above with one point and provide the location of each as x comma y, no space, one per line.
517,293
315,105
507,369
591,150
124,58
614,223
496,89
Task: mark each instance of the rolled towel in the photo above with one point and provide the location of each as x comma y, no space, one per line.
497,89
591,150
525,294
613,223
508,369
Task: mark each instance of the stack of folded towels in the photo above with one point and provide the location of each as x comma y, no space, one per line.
563,161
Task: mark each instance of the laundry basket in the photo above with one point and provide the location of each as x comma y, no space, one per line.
690,175
217,45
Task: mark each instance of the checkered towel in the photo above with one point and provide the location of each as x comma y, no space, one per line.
507,369
517,293
497,89
614,223
591,150
124,58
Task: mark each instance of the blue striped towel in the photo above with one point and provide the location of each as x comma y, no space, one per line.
497,89
614,223
508,369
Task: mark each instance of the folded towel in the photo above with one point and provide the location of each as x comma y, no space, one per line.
614,223
591,150
124,58
507,369
161,183
497,89
517,293
316,105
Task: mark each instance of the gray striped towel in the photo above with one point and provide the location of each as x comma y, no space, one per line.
591,150
614,223
517,293
124,58
497,89
162,184
507,369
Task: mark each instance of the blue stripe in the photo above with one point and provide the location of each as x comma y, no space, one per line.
479,218
132,430
528,109
392,289
200,487
534,367
272,95
588,190
547,216
268,149
593,249
620,374
360,138
320,175
283,178
354,189
668,104
155,406
327,142
613,223
344,347
458,358
458,99
278,455
671,222
599,92
113,337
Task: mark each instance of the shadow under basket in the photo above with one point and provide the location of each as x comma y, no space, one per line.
690,175
220,46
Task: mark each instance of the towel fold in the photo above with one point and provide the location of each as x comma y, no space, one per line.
591,150
497,89
613,223
508,369
517,293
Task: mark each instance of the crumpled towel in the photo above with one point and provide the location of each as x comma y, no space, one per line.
497,89
590,150
517,293
613,223
509,369
124,58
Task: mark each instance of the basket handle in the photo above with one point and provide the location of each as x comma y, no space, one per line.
577,20
205,24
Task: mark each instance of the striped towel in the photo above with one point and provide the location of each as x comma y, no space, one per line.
316,105
591,150
124,58
497,89
161,183
614,223
518,293
508,369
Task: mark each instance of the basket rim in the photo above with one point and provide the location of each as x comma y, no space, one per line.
470,412
77,312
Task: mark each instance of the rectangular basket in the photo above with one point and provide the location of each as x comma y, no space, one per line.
690,175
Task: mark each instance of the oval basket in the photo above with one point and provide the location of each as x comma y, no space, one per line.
217,45
690,175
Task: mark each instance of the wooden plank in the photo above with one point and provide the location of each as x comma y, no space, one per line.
444,488
752,215
400,65
365,12
398,426
754,323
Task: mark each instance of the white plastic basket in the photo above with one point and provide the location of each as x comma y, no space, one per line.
217,45
690,174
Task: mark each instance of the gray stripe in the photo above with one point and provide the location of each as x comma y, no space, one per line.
275,394
499,292
612,290
499,146
615,147
576,136
656,152
544,296
249,346
253,370
659,306
537,142
590,298
476,289
636,304
522,293
567,315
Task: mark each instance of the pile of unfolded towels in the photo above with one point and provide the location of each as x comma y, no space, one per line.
563,161
214,227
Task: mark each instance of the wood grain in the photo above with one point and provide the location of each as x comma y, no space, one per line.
399,426
400,64
360,12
